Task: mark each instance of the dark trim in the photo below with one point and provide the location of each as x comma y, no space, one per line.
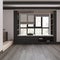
31,2
42,25
57,43
15,26
10,8
55,27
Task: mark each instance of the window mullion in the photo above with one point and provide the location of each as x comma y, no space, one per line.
27,24
34,24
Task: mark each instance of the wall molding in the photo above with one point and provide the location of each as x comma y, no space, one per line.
10,8
31,2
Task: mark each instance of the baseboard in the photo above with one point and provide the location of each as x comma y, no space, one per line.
57,42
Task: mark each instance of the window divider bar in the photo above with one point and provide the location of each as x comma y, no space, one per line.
34,24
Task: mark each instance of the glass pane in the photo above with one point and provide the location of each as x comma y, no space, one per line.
37,31
45,21
23,31
30,25
45,32
30,18
38,21
31,30
23,18
23,25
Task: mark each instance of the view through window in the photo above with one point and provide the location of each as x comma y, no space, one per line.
33,24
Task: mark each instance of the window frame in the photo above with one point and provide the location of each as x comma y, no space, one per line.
34,24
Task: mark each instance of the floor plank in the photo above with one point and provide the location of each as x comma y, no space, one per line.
55,52
48,54
32,52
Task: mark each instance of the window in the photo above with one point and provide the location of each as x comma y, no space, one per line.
23,18
30,25
23,31
45,25
26,22
31,18
45,32
37,31
38,21
42,25
35,25
45,21
23,25
31,30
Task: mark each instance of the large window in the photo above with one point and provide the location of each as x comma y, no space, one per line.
33,24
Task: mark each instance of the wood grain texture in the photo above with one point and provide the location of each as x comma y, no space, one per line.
32,52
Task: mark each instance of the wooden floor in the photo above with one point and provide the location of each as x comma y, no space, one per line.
32,52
